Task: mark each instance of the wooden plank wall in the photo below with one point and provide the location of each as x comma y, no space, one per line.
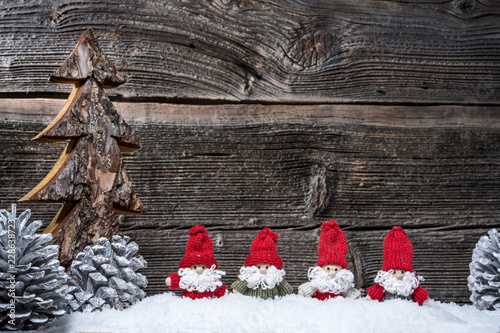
281,114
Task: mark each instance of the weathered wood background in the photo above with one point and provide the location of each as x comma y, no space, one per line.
280,114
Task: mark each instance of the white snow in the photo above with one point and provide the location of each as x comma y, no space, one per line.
237,313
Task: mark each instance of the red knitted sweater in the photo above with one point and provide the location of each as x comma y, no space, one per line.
377,292
324,296
219,292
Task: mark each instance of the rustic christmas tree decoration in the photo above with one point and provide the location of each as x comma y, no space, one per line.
33,288
484,278
104,276
86,116
89,177
87,60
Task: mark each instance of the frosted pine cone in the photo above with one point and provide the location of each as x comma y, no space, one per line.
484,278
40,292
105,276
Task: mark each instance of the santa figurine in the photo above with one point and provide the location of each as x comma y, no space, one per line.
330,277
397,279
262,275
198,276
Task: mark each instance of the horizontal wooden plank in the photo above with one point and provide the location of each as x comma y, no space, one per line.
273,51
250,166
408,116
442,257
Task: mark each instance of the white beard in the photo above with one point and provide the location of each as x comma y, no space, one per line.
321,280
255,279
404,287
208,280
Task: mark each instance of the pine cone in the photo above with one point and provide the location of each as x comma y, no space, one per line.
40,282
484,278
104,276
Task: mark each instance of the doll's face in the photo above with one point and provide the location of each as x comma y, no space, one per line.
398,273
263,267
199,268
332,270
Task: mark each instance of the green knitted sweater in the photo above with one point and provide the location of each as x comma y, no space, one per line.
281,289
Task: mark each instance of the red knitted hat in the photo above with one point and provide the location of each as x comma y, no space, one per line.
199,249
398,251
332,247
263,250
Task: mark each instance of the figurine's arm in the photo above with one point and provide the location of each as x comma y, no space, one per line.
306,290
173,281
420,295
220,291
375,292
352,293
284,288
239,287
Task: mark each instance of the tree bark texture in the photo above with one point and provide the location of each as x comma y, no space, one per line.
89,177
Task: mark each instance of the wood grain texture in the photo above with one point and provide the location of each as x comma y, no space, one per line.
252,166
271,51
442,257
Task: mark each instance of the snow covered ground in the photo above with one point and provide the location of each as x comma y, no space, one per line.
237,313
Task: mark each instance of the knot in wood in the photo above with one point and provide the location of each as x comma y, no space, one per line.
218,242
464,6
55,17
235,4
313,49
